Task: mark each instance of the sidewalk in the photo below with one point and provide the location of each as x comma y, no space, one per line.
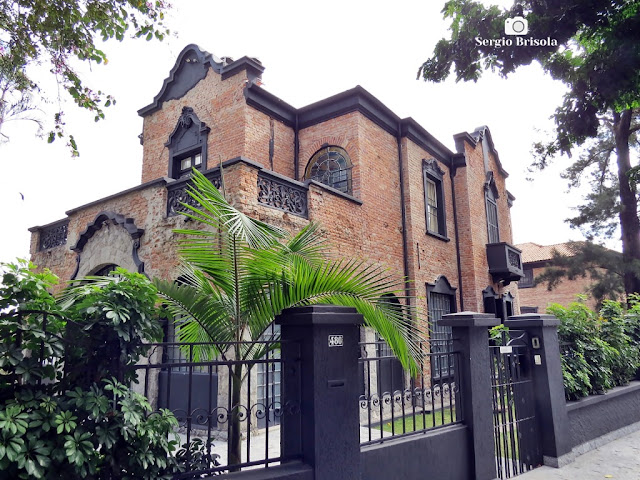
618,460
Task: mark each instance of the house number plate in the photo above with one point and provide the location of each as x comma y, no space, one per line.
336,341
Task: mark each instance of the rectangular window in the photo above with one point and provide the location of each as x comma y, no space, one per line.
527,280
492,220
435,216
439,305
432,206
185,163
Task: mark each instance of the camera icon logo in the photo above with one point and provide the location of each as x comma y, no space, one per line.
516,26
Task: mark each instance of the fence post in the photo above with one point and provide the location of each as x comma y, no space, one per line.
471,339
327,431
551,407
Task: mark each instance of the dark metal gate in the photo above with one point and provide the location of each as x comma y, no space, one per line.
516,440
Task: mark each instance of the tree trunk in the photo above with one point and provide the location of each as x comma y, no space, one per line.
234,446
629,224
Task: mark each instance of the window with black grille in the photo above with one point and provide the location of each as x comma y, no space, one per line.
441,301
331,166
527,281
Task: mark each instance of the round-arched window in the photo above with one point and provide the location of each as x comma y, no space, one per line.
105,270
331,166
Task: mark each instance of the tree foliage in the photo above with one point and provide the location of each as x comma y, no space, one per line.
605,269
52,425
61,34
595,52
599,350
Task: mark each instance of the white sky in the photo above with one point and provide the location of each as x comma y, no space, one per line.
310,51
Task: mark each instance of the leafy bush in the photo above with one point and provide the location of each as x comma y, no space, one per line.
55,423
599,352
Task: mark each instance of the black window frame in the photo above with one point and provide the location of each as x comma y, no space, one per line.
318,158
528,280
187,127
491,197
178,158
431,172
443,288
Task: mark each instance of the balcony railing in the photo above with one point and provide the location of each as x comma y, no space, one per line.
177,193
505,262
54,235
282,193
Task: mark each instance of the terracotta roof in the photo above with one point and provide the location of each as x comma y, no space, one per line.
532,252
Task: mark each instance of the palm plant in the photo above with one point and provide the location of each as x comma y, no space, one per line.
239,273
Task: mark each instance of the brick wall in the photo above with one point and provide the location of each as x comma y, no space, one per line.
219,103
565,293
472,225
366,226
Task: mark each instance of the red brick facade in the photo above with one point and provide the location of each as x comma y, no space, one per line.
382,218
537,258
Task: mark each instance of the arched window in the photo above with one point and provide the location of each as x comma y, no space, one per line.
105,270
331,166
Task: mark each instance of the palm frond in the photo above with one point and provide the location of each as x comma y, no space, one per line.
348,283
214,210
203,314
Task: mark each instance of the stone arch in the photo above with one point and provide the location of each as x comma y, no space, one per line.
100,244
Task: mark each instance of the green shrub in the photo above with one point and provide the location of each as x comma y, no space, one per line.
599,352
55,424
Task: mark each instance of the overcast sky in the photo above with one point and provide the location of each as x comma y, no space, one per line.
310,51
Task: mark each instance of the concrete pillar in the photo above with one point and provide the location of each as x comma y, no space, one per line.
473,375
548,386
323,341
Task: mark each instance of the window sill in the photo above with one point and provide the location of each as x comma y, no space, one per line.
334,191
438,236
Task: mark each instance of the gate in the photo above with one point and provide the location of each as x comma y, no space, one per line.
515,430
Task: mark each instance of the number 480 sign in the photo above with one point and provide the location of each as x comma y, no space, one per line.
336,340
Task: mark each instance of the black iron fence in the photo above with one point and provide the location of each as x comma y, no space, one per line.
394,404
514,422
228,410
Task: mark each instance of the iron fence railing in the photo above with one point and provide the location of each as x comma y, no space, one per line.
394,404
235,423
515,426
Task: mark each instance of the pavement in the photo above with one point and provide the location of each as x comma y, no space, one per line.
618,460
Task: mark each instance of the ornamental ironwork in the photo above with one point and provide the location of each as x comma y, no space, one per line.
514,258
178,195
54,236
281,194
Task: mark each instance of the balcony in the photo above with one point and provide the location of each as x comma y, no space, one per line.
505,262
177,193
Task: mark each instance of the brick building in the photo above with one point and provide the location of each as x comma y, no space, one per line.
536,298
383,188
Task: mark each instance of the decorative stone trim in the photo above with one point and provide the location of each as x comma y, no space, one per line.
54,235
177,194
278,192
116,219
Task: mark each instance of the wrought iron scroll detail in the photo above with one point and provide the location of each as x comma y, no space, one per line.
514,258
278,193
54,236
177,195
